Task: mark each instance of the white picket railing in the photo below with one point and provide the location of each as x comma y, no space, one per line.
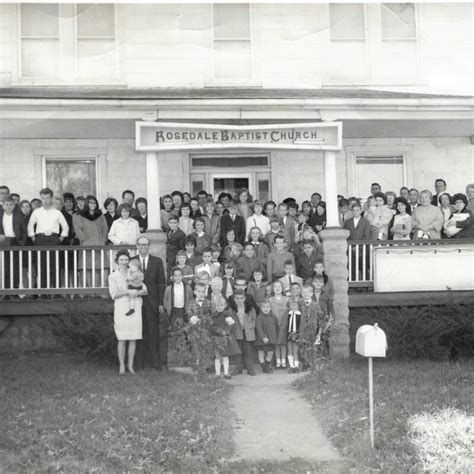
56,270
361,255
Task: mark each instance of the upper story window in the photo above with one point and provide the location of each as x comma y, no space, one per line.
68,42
232,42
398,21
96,41
39,40
347,21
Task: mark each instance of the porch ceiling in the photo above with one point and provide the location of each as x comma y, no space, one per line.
125,129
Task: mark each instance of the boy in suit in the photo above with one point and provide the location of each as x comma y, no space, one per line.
174,242
290,277
247,263
287,224
207,265
233,222
305,262
358,226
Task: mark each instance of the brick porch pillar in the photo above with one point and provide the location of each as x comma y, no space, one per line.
334,241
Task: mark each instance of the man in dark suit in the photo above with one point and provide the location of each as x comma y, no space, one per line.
359,228
152,350
13,232
233,222
440,188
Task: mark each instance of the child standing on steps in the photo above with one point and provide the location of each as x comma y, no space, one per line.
267,327
279,307
223,329
295,327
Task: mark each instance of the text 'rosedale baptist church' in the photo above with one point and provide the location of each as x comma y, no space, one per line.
171,136
274,136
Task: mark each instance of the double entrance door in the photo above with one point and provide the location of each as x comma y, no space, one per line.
218,179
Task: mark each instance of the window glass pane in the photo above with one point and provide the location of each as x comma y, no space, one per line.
95,20
96,58
263,189
39,19
75,176
232,59
196,187
386,170
347,21
398,20
231,21
229,161
39,57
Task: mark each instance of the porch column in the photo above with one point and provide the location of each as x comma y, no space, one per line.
153,191
330,179
334,241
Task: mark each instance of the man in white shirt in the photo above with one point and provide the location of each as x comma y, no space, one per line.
51,229
257,219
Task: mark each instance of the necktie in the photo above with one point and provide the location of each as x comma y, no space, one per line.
254,222
290,280
144,265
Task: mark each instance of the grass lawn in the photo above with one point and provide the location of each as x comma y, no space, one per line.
413,402
67,414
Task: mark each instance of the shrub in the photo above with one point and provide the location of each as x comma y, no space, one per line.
432,332
197,344
86,333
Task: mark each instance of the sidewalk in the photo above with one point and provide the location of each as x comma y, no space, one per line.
273,422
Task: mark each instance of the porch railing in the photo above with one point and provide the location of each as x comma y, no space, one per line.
57,269
361,255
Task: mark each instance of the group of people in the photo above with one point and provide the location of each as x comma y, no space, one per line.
253,269
410,215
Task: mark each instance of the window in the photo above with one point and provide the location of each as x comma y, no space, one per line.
346,21
232,56
39,40
348,40
229,161
68,42
75,175
96,43
387,170
398,21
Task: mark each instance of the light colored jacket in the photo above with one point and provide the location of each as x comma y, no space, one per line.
124,230
429,219
379,218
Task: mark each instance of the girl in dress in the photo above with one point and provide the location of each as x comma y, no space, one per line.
223,329
402,223
243,207
279,307
166,211
227,246
127,328
257,287
261,248
188,274
267,330
185,221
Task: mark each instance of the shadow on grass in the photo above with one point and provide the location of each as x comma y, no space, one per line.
70,414
339,396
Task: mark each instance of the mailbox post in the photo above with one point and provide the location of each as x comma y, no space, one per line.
371,341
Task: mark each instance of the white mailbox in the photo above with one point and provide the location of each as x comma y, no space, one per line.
371,341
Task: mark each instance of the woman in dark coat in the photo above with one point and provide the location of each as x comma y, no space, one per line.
461,218
91,229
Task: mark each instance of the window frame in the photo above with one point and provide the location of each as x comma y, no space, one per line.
388,38
116,47
67,57
77,157
349,39
354,151
251,80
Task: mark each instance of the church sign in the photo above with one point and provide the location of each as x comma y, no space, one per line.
156,136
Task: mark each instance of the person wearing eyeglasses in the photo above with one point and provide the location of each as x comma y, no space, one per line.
152,351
